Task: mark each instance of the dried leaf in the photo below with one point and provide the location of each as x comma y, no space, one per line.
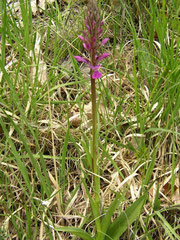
33,7
75,120
176,194
41,67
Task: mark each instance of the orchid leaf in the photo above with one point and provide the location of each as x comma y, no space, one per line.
76,231
94,207
106,221
123,222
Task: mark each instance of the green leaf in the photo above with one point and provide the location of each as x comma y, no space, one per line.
121,224
106,221
157,201
94,207
76,231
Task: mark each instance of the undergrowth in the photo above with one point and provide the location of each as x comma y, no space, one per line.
45,119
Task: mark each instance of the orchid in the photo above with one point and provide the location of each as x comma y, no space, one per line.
91,38
91,43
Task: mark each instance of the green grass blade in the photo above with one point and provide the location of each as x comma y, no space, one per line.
27,21
37,168
122,223
168,228
33,160
3,12
20,164
150,168
64,153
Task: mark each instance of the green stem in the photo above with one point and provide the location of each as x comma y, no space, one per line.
94,125
94,153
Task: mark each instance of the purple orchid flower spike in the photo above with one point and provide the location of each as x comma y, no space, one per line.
91,41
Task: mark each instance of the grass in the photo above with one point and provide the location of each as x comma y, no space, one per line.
45,121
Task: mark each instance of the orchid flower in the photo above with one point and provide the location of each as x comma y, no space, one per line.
91,42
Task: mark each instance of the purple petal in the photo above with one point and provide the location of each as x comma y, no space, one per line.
94,23
93,39
81,59
101,57
86,18
81,37
99,32
96,75
95,68
88,28
87,46
98,17
85,34
104,41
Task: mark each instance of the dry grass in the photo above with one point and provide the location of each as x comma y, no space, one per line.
54,100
